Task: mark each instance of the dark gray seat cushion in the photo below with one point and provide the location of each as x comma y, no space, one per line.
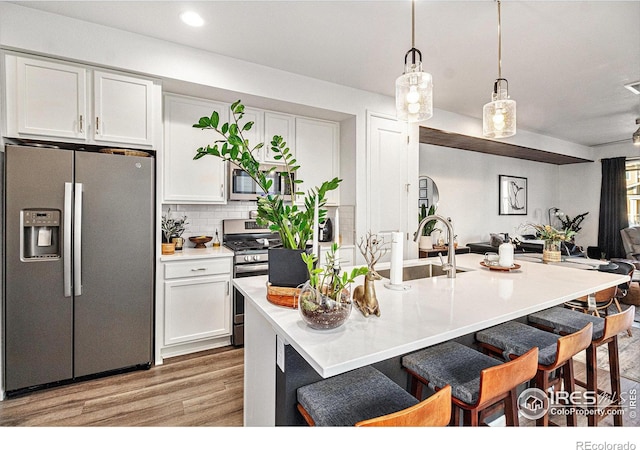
451,363
349,398
567,321
515,338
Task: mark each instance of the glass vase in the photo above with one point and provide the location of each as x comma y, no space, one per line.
551,251
321,311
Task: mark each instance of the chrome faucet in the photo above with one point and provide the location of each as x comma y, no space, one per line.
450,266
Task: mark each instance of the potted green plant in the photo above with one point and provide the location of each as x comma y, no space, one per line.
171,228
324,300
280,213
425,241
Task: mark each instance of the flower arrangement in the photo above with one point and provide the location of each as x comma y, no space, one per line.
549,233
172,227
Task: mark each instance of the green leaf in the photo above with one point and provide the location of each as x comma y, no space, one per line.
225,128
247,126
233,130
215,119
234,104
234,139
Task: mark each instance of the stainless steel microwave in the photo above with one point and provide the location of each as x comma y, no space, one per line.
242,186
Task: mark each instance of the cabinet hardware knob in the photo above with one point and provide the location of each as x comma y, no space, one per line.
199,269
81,124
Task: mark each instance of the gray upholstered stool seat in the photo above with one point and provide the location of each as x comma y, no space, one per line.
516,338
451,363
349,398
567,321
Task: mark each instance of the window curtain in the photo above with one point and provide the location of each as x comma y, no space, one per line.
613,207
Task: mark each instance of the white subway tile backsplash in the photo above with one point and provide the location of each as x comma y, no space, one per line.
206,219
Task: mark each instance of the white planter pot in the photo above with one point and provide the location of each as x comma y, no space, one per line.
425,243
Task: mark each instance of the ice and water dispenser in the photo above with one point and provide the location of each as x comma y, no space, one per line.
40,234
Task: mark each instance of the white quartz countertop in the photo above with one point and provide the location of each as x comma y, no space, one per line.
432,311
198,253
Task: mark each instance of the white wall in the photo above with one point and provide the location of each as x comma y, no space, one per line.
468,187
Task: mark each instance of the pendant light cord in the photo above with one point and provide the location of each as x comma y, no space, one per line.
499,43
413,24
414,51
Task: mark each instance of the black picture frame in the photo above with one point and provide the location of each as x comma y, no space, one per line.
512,195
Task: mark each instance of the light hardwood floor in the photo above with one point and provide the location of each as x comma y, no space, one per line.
204,389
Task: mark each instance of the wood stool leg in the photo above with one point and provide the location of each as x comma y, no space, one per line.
511,409
614,370
592,382
542,383
569,386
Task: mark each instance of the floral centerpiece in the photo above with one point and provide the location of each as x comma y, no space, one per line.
171,228
552,240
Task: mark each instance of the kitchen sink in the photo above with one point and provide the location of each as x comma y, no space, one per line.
417,272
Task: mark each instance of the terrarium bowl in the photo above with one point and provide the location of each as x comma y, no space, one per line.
200,240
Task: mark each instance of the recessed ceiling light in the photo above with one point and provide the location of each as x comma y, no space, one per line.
192,18
634,87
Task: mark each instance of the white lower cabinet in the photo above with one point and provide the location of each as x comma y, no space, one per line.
195,308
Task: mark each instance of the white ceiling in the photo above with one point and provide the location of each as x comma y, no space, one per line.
566,61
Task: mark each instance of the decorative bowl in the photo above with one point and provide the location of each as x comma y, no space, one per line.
200,240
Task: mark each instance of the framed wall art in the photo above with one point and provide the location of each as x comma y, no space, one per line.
512,196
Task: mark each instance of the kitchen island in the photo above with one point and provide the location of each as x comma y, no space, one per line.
283,353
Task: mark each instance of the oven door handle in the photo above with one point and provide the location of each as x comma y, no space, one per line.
248,268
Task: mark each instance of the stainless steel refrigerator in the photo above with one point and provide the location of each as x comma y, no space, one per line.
79,264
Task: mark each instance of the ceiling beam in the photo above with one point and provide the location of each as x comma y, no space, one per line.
475,144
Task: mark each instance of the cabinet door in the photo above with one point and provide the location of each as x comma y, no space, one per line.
123,108
50,99
196,309
317,152
277,124
186,180
256,134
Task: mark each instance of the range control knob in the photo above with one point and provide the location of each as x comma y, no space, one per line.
256,257
247,258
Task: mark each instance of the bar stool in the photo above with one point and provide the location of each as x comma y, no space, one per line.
478,382
512,339
564,321
367,397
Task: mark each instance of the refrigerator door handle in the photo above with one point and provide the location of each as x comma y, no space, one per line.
66,249
77,241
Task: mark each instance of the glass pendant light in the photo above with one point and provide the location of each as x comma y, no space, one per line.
499,115
414,88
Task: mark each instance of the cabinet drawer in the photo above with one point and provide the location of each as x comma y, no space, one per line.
197,268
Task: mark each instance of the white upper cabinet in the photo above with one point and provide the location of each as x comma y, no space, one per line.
50,99
277,124
317,148
186,180
256,134
56,100
122,108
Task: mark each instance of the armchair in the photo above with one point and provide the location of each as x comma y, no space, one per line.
631,242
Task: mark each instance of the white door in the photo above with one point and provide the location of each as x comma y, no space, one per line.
387,193
186,180
51,99
123,108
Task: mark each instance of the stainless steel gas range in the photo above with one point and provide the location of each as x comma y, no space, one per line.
250,244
